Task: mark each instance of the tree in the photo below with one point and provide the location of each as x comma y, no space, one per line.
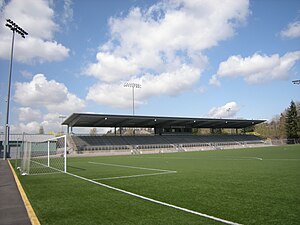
216,131
248,130
292,122
281,125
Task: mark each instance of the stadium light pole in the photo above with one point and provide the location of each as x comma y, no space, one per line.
15,29
133,86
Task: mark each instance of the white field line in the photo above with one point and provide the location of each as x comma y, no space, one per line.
284,159
258,158
236,159
245,158
132,167
40,174
155,201
138,175
208,158
213,158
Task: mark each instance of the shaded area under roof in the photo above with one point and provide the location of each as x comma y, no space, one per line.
107,120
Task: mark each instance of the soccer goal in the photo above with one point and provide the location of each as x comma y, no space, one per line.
44,157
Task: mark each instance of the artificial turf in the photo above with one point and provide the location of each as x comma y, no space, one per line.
246,186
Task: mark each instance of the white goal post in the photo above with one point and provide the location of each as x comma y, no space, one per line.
44,157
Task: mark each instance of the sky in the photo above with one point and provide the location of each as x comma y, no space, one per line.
192,58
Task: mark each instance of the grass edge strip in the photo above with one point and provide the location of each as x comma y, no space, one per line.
32,216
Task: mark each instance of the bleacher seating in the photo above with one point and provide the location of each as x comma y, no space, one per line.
87,142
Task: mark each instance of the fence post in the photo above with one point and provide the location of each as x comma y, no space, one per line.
65,155
48,154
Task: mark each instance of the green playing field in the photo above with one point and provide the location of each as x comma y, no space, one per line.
242,186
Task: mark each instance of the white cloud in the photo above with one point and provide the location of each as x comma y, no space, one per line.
292,30
257,69
27,114
67,15
30,127
1,127
50,122
228,110
214,80
111,68
161,47
169,83
175,25
26,74
52,95
201,89
42,102
37,18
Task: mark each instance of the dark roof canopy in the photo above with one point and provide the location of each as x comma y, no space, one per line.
106,120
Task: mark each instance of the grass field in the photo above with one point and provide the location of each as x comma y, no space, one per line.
246,186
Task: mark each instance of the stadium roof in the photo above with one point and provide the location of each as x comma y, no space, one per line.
106,120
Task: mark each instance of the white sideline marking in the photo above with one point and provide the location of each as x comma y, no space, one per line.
155,201
138,175
132,167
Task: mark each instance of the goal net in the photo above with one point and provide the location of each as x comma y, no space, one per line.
44,157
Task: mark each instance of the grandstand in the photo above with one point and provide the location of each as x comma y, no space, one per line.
170,133
91,143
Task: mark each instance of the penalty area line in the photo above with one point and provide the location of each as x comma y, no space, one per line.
138,175
155,201
131,167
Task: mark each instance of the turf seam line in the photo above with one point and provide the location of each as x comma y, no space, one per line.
132,167
31,214
155,201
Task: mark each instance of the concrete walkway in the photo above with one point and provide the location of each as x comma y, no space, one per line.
12,209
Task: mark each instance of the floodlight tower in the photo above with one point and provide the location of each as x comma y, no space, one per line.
14,28
133,86
62,117
296,81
